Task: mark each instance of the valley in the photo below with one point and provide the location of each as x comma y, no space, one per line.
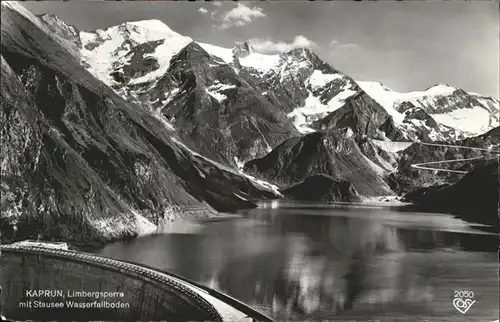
112,134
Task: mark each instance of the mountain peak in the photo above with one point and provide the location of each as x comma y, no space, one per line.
140,31
191,52
306,54
299,51
50,16
148,24
152,29
243,49
191,47
441,89
54,21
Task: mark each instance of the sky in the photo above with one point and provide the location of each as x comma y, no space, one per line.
405,45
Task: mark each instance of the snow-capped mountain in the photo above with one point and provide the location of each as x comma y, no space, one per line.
301,84
192,87
106,51
133,56
147,62
469,113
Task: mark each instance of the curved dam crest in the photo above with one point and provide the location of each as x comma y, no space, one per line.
59,284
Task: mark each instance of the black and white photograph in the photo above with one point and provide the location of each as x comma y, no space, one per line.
250,161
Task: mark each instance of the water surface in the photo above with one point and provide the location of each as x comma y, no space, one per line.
333,262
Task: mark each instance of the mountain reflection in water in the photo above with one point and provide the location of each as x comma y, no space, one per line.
323,262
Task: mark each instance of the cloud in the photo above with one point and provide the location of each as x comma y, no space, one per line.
270,46
216,3
240,16
335,44
202,10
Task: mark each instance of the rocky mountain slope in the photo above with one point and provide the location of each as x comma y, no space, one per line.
68,36
334,153
322,188
470,154
364,116
79,163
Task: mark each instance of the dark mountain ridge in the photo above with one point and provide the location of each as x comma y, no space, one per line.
475,197
364,116
321,188
334,153
81,164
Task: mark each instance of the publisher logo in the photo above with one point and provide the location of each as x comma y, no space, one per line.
463,301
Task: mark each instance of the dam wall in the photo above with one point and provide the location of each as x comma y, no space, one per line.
54,284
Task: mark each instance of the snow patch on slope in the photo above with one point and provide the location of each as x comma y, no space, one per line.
470,120
392,147
163,53
318,79
385,97
218,96
221,87
223,53
314,109
260,62
216,89
433,134
170,96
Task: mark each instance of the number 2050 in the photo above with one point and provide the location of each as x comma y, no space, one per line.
464,294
